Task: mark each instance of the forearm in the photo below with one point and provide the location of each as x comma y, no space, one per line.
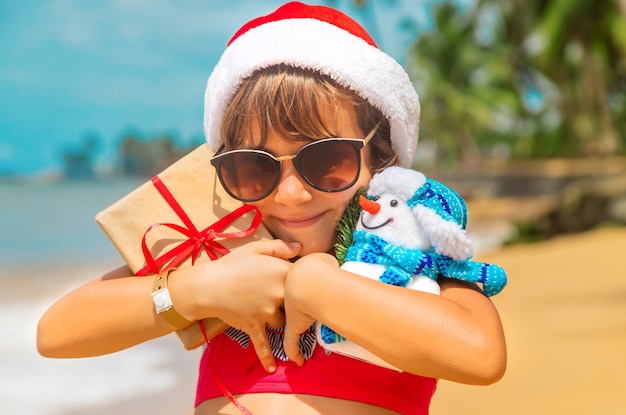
104,316
425,334
244,289
455,336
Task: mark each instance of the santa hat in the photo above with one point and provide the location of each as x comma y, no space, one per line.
325,40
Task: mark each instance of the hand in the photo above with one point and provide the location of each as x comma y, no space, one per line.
245,289
300,301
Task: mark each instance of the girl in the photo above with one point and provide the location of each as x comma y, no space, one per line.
302,109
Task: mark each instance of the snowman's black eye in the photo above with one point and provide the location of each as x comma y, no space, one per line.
376,198
393,203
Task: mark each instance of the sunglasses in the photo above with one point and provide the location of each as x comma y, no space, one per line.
328,165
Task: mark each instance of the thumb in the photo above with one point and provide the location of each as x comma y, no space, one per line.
279,248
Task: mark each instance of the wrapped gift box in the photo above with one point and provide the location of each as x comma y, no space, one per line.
146,225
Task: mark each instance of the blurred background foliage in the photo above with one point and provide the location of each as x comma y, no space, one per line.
498,79
523,79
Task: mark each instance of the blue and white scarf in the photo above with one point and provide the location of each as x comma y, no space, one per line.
403,263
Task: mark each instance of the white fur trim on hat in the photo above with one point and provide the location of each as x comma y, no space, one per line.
312,43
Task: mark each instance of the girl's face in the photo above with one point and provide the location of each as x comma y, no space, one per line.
296,212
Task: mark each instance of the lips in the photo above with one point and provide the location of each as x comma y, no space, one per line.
299,222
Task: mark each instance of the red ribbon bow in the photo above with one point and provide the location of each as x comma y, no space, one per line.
196,240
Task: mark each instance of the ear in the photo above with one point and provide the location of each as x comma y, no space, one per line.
447,237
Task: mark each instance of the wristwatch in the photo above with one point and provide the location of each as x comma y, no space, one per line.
163,302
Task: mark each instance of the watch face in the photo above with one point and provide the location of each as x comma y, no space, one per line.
162,301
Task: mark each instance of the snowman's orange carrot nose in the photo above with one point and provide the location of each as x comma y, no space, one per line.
369,205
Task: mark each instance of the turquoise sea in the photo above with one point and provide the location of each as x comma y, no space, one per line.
54,222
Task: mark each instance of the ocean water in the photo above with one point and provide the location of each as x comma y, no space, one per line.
54,222
50,244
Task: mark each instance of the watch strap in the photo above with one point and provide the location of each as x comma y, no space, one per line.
163,302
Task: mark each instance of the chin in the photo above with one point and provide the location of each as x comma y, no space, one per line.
316,246
313,240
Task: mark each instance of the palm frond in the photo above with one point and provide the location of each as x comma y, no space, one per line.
346,226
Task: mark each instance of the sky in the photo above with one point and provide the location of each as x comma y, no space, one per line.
72,68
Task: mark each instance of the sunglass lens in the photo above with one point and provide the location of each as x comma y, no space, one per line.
331,165
248,176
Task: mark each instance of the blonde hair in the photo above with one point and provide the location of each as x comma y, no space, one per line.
288,101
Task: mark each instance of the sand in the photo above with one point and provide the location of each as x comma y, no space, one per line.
564,313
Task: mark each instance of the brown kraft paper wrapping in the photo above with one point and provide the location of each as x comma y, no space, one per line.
195,187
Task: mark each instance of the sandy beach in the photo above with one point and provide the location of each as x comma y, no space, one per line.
564,313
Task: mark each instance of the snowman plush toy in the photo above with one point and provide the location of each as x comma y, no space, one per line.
411,231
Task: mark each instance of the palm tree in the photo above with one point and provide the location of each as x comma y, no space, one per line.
466,91
584,54
568,55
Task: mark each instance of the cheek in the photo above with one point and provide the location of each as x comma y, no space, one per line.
259,204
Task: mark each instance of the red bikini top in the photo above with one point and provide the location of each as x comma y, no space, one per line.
239,371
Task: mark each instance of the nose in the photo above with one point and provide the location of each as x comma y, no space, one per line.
369,205
291,188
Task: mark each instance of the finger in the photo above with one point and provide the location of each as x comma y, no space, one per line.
291,345
263,350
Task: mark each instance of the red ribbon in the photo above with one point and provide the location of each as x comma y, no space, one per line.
196,240
192,246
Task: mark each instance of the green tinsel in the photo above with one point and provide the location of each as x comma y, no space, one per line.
346,225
